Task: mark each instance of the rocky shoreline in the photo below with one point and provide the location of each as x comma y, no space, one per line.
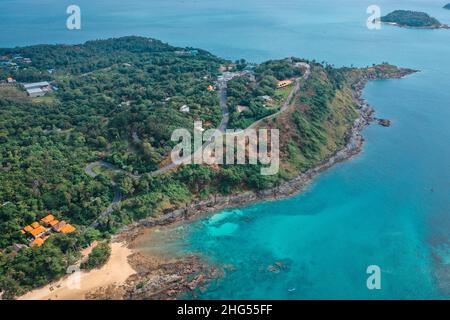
433,27
160,279
170,279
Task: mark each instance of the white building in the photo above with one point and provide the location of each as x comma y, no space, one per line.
35,85
242,108
36,92
37,89
184,109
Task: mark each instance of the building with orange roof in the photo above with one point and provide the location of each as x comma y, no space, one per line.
211,88
35,225
53,222
57,227
67,228
63,227
37,242
37,231
48,218
284,83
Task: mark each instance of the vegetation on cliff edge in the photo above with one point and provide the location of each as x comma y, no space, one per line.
411,19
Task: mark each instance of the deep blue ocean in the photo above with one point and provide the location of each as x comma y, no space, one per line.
389,206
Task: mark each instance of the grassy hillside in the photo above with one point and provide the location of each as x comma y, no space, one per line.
317,123
260,95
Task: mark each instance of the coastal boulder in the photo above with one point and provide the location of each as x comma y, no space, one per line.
384,122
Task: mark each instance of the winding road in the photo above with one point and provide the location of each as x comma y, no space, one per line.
89,170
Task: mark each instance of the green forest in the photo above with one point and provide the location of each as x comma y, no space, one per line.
117,99
411,19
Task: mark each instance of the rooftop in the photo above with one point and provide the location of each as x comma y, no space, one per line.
57,227
41,233
37,242
48,218
37,231
35,85
35,90
284,83
53,222
35,224
68,228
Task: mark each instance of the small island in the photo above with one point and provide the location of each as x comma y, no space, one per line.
412,19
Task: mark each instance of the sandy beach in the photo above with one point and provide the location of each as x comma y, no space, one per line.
114,272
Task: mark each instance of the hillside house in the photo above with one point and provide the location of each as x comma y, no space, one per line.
37,89
35,229
38,233
284,83
241,108
38,242
63,227
267,98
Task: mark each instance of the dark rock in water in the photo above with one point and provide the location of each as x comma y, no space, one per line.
384,122
196,282
273,269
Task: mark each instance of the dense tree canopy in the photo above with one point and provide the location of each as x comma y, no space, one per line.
411,19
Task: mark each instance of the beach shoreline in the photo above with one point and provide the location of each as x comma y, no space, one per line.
395,24
114,272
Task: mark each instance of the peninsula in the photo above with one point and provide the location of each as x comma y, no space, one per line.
91,146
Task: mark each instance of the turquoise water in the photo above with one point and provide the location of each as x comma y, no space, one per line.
390,206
